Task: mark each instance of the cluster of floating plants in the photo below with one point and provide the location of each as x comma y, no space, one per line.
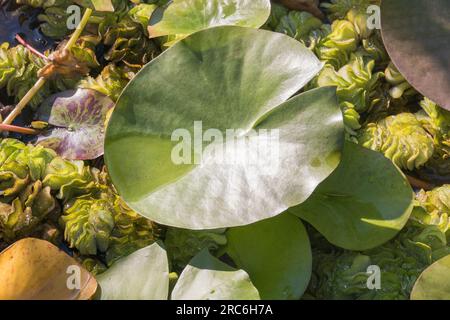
116,156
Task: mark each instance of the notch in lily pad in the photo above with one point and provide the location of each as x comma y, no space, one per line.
78,119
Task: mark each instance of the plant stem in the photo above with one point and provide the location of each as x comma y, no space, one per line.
417,183
23,103
8,127
30,48
41,81
73,39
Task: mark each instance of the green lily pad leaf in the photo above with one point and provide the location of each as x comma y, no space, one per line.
184,17
434,282
276,254
416,34
199,140
79,118
365,202
143,275
207,278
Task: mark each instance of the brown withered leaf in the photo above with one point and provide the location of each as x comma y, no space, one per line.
34,269
62,62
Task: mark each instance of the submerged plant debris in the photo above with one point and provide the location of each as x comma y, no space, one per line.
212,149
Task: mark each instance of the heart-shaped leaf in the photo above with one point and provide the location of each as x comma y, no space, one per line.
434,282
242,156
79,117
365,202
183,17
276,253
143,275
416,35
207,278
33,269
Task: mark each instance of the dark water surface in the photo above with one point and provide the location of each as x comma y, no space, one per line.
21,20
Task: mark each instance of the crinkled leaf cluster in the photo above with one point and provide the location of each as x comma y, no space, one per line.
399,84
299,25
18,73
401,138
106,227
95,219
24,200
111,81
338,9
182,244
53,19
128,42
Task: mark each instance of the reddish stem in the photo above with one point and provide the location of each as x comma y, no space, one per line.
417,183
29,47
11,128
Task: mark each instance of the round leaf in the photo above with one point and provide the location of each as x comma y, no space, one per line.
207,278
33,269
79,117
434,282
213,82
416,34
183,17
365,202
143,275
276,253
217,80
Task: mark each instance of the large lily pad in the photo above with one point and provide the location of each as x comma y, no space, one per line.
365,202
143,275
183,17
207,278
79,119
222,79
276,253
416,34
434,282
33,269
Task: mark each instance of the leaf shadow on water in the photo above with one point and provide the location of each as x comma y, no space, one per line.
22,20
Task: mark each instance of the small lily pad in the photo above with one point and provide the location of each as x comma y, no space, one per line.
279,262
433,283
79,120
143,275
184,17
207,278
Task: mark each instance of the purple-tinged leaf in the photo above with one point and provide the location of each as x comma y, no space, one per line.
416,34
79,120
